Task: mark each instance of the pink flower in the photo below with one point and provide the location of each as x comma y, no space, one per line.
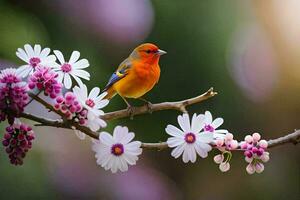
45,79
255,153
13,96
17,142
73,110
225,144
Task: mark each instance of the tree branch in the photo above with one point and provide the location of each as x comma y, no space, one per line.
178,105
64,123
293,138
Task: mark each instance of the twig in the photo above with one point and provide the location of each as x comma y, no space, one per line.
179,105
293,138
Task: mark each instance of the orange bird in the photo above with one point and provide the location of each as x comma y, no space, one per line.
136,75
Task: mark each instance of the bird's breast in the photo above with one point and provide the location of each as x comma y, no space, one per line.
139,81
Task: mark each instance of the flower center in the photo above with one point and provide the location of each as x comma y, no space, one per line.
209,128
66,67
117,149
90,103
34,61
190,138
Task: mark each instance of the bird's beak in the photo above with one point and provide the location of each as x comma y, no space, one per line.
161,52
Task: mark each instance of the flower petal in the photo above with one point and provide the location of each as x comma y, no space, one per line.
174,141
208,117
81,64
174,131
74,57
59,56
37,49
44,53
94,93
178,150
184,122
22,55
67,81
81,73
217,122
106,138
205,137
29,51
197,123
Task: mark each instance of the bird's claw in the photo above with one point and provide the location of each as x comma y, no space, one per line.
149,107
130,110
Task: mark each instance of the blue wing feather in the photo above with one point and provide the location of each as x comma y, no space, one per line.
119,74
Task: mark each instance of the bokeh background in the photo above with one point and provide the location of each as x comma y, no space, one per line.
249,51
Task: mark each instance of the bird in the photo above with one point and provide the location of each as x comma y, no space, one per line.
136,75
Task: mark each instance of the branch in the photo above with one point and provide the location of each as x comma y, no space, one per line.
178,105
293,138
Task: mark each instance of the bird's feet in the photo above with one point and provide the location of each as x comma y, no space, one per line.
149,106
130,111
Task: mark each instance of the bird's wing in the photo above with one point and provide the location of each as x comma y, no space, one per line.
121,72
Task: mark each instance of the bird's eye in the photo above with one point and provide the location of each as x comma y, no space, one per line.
148,51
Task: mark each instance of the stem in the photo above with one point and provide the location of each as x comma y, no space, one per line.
178,105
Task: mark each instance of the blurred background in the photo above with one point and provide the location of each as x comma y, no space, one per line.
249,51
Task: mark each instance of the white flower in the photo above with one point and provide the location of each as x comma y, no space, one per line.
189,140
117,151
211,126
73,67
93,102
34,57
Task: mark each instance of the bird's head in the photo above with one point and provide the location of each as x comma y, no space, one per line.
147,52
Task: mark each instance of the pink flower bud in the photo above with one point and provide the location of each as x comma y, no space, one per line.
219,158
228,136
56,106
69,96
248,160
263,144
59,100
254,150
234,144
259,167
244,145
224,167
7,136
256,137
248,154
265,157
250,169
219,142
249,139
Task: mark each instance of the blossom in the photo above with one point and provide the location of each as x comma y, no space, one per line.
45,79
73,110
211,125
13,95
17,141
73,67
255,153
34,57
93,102
189,140
225,145
117,151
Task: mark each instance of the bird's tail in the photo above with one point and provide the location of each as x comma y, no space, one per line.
110,93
